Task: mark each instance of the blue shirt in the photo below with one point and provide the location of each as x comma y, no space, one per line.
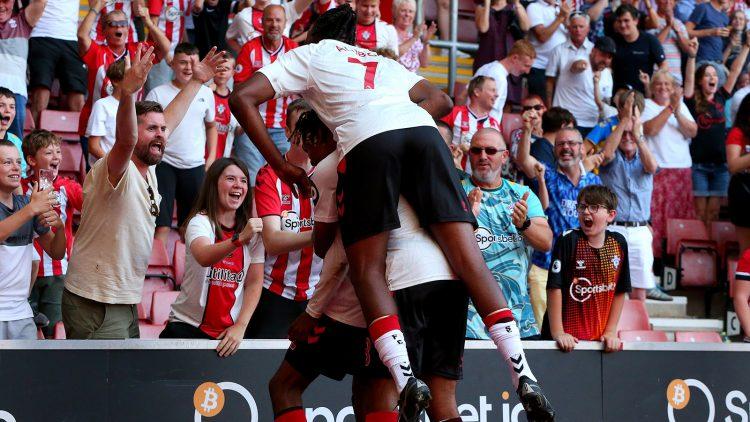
504,250
632,184
561,213
17,142
602,130
705,16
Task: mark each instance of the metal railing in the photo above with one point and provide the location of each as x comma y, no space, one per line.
451,44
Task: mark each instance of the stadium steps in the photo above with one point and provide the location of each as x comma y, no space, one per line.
437,71
675,309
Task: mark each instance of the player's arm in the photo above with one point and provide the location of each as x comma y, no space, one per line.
33,12
126,132
430,98
244,102
278,241
84,29
231,338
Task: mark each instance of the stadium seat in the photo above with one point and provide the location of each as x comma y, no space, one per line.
178,262
158,263
510,123
697,337
59,333
634,316
161,305
151,285
643,335
150,331
28,123
72,164
680,230
731,270
697,266
62,123
725,236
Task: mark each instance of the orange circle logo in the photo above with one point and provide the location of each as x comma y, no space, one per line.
208,399
678,394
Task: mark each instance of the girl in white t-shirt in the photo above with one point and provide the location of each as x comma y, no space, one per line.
224,253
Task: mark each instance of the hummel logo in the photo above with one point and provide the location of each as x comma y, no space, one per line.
518,365
580,264
406,370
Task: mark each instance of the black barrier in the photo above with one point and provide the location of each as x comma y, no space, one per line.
185,381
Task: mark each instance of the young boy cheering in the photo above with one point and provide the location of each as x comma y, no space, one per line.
589,276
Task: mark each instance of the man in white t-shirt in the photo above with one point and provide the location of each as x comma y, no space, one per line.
53,53
570,73
516,63
181,172
247,24
547,20
417,273
399,152
120,203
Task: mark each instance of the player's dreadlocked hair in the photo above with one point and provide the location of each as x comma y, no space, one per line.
310,130
336,24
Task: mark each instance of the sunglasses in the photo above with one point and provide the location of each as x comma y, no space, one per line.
154,207
567,144
537,107
487,150
117,24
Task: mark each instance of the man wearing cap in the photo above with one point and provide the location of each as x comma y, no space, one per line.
571,69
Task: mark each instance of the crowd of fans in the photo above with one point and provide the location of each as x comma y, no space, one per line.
637,97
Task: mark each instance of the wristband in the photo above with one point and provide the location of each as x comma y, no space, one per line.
524,226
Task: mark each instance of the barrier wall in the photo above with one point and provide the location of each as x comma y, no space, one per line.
149,380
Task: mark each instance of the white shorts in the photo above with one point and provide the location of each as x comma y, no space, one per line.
640,255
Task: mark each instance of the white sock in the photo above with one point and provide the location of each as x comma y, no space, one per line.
508,342
391,348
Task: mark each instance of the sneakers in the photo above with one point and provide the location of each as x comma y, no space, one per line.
657,294
414,398
536,405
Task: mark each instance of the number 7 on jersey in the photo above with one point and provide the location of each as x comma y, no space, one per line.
370,68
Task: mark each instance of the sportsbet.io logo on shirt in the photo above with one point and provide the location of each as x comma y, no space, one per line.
485,238
290,221
582,289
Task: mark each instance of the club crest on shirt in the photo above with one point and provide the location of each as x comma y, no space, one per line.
580,264
220,108
616,261
286,199
12,23
172,13
366,35
556,266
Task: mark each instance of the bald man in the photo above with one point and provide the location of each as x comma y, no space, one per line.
255,54
510,218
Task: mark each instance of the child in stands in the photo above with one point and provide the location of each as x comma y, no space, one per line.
589,276
43,152
7,116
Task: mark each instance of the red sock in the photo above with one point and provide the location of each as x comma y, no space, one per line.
501,315
382,417
294,414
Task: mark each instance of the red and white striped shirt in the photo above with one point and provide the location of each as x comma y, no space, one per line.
465,124
254,56
292,275
171,15
225,126
97,31
70,196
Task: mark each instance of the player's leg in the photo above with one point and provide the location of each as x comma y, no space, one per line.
286,388
368,192
443,407
373,399
432,187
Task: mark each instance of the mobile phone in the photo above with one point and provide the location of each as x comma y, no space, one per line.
45,179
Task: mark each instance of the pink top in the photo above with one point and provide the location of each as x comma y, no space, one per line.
410,59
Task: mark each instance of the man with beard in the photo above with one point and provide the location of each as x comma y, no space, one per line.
564,182
256,53
571,69
510,218
120,205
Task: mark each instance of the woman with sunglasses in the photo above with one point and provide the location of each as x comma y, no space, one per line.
224,262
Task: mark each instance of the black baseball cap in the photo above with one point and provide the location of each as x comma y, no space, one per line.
606,45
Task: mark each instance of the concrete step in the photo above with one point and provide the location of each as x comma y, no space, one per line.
674,309
687,324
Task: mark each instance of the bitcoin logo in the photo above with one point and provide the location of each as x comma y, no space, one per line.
678,394
208,399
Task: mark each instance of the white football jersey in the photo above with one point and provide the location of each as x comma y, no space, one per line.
357,93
